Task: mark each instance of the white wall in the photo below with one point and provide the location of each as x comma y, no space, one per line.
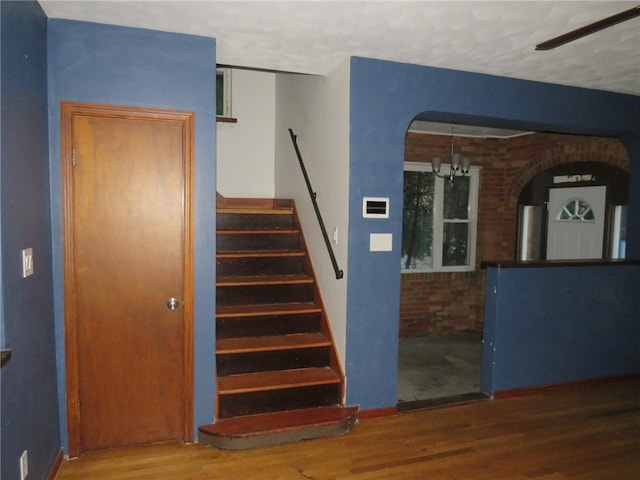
246,149
317,109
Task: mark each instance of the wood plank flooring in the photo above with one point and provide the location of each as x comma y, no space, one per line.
588,432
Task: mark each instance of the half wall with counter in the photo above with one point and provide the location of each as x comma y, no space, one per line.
553,323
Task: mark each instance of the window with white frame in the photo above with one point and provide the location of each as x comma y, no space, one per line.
439,220
223,92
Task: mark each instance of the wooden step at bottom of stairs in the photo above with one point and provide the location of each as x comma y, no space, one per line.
268,429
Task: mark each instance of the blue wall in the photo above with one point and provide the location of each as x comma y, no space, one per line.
555,325
28,391
385,97
115,65
124,66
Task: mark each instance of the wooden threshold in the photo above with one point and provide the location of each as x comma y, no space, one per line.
231,311
278,380
270,343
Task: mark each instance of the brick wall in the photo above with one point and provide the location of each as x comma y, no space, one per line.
439,303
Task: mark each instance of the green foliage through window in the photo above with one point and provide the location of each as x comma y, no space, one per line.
417,219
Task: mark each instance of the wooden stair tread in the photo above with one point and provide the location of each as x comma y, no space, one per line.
276,422
277,380
259,231
271,343
267,309
248,210
234,281
260,253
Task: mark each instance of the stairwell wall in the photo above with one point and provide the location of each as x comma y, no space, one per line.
317,109
246,149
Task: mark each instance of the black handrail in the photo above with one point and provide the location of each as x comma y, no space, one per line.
312,194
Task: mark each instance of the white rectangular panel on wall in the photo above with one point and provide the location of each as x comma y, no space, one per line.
380,242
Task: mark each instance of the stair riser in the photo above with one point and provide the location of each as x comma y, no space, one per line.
233,221
263,294
269,325
257,242
260,266
277,400
233,364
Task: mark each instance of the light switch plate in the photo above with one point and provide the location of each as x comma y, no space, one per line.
27,262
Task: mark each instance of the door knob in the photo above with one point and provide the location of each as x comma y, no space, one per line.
173,303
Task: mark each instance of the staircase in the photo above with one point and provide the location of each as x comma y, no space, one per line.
278,376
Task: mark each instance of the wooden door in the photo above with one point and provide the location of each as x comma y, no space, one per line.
127,187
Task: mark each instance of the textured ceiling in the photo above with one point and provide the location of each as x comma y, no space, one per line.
315,36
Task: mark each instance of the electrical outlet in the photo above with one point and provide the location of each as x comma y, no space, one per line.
24,465
27,262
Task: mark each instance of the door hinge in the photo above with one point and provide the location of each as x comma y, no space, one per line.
73,157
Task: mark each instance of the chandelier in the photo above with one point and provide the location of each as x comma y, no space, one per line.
458,165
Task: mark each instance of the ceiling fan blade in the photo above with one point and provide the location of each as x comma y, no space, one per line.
589,29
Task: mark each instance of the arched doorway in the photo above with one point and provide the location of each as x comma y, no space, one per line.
442,306
440,345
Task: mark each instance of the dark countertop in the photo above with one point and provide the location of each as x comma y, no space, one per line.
555,263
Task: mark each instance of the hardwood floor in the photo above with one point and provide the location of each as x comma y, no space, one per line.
586,432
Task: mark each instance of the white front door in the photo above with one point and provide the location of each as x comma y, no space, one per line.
575,228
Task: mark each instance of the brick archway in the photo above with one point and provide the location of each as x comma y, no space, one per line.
551,150
604,150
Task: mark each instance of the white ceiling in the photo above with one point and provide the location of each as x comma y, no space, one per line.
494,37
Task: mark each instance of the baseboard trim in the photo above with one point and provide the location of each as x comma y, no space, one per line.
57,465
520,392
377,412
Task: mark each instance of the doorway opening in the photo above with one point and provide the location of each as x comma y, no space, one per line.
443,310
440,345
